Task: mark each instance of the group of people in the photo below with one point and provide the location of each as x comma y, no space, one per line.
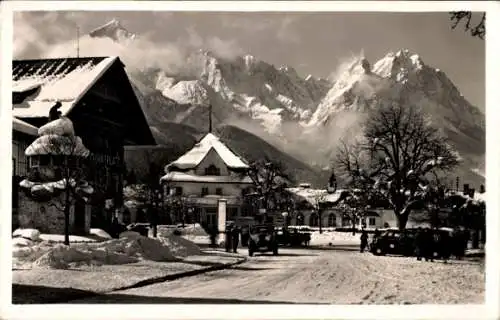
232,238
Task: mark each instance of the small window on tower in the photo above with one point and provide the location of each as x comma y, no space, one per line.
218,191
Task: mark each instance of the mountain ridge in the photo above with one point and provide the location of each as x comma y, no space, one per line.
305,116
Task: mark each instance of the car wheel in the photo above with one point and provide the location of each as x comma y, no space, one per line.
379,252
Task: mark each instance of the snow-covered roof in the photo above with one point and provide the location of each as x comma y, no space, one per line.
24,127
314,195
185,177
63,80
193,157
478,197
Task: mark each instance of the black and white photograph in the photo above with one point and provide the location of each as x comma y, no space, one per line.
211,154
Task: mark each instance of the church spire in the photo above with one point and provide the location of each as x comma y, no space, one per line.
210,118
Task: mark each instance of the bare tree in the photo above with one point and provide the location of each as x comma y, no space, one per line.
477,30
270,180
394,158
57,157
319,200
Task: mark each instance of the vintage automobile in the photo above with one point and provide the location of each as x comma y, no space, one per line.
394,241
292,237
262,239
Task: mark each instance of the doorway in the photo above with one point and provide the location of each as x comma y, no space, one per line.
211,217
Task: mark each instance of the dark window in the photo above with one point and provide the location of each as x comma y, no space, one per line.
212,171
332,222
204,191
371,221
14,167
218,191
178,191
300,219
57,160
44,160
233,212
34,161
313,220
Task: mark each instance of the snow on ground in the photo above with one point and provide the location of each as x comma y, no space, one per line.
322,276
334,238
48,253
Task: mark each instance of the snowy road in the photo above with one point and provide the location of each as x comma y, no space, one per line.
320,276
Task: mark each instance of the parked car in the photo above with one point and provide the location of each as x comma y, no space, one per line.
394,241
262,239
293,237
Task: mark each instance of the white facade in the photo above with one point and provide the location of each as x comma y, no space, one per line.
206,175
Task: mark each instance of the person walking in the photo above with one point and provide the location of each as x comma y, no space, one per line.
428,245
445,246
419,244
228,238
364,241
235,233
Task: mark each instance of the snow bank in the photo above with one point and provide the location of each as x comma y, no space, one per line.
334,238
21,242
60,238
32,234
137,246
100,233
129,234
180,247
63,257
129,248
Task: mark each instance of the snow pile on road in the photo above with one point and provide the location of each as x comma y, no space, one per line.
180,247
137,246
32,234
60,238
128,249
100,233
64,257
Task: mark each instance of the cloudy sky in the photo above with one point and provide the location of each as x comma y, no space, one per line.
313,43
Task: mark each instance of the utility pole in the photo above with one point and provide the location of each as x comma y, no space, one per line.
77,41
210,118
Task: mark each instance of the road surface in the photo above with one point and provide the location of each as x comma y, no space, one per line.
336,276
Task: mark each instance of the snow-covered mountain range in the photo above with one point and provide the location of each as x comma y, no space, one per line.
304,116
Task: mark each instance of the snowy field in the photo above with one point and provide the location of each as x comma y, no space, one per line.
321,276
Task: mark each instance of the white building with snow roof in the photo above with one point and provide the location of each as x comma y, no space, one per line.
204,175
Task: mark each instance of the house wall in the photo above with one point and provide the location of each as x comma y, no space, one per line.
325,218
211,158
195,188
46,218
